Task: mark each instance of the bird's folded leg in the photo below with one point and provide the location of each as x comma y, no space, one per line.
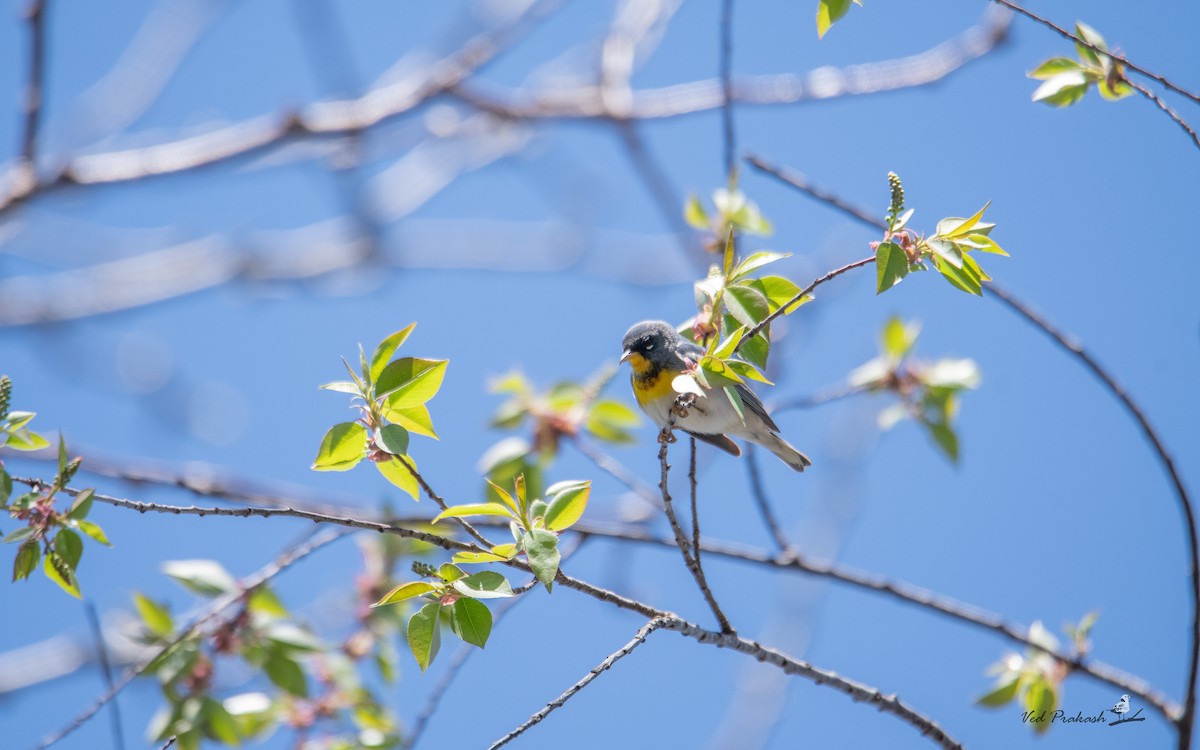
683,402
666,435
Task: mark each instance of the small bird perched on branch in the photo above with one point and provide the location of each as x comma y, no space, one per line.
658,354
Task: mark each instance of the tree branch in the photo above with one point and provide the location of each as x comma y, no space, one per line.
35,18
692,563
1119,58
570,692
1165,108
727,126
280,564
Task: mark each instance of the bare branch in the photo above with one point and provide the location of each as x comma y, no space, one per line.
759,493
106,671
727,127
1166,109
699,96
570,692
783,309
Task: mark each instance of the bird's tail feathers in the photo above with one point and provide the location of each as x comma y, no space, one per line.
786,453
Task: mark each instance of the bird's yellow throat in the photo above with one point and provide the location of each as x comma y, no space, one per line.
650,382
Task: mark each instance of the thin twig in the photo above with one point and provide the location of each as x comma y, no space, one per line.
730,135
681,540
695,507
1119,58
820,398
1165,108
759,493
857,691
785,561
655,178
570,692
801,295
1185,719
35,95
801,183
281,563
464,652
114,710
435,497
902,591
617,470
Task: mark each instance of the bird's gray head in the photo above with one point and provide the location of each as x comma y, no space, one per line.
653,340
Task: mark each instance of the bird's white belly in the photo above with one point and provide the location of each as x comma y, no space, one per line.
710,415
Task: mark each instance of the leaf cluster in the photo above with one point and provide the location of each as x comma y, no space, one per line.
390,395
949,249
50,536
927,392
314,683
1065,81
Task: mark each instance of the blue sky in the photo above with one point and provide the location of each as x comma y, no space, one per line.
1057,508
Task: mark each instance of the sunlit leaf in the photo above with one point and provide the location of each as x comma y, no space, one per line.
204,577
424,634
410,381
567,507
385,350
342,447
404,592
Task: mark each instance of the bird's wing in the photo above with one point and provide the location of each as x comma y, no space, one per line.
755,406
690,351
721,441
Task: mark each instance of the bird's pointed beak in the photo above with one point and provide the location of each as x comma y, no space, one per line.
626,355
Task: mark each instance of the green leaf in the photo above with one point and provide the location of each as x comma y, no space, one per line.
399,475
963,278
1055,66
755,261
486,584
25,440
410,381
264,602
986,244
474,509
613,413
386,349
746,304
26,559
154,616
829,11
964,227
405,591
1040,696
1002,695
750,220
755,350
204,577
342,447
94,531
342,386
472,558
898,338
946,250
291,637
746,370
725,348
69,547
694,213
1091,36
60,572
471,620
219,723
415,419
18,535
1062,90
424,635
541,547
567,507
506,498
6,486
392,438
945,438
62,455
891,266
449,572
779,291
82,505
1113,88
285,673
